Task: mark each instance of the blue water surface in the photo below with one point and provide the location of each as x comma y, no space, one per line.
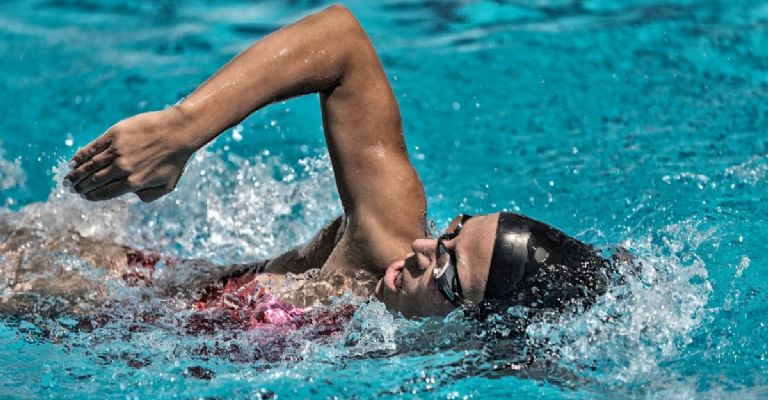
635,123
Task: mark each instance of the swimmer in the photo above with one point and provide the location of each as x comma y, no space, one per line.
482,263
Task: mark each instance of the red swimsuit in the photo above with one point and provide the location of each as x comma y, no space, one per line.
242,303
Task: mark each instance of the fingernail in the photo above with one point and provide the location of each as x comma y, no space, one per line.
72,190
67,183
72,164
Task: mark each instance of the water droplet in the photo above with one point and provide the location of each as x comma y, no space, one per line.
237,133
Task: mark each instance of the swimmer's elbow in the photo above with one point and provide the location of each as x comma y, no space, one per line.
341,14
348,35
344,23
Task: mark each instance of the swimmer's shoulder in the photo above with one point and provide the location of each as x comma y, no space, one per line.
369,248
313,254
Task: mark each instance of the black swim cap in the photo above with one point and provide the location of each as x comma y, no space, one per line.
526,250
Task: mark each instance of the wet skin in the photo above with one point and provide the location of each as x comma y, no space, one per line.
408,286
382,196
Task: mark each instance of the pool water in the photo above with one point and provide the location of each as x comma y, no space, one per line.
632,123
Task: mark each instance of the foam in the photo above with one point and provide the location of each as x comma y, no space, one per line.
752,171
232,209
226,209
628,335
11,174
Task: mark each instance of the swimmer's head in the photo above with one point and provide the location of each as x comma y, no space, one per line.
490,263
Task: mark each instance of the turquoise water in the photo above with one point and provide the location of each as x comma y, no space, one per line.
629,122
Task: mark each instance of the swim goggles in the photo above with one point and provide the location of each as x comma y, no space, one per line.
446,276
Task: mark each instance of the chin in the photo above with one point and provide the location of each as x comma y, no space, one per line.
384,295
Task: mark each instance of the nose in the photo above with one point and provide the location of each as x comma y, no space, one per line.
425,252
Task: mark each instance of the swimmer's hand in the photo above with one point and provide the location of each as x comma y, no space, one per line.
144,154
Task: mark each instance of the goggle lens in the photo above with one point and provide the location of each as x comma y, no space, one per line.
445,275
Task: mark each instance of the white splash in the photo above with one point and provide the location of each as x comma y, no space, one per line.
11,174
225,209
373,328
635,327
751,171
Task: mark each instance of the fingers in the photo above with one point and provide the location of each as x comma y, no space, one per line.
109,191
151,194
88,168
86,153
100,179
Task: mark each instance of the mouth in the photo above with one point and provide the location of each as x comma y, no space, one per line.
393,278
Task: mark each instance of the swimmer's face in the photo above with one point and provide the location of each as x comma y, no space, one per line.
408,286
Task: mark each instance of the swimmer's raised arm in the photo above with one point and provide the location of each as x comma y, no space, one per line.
148,151
327,53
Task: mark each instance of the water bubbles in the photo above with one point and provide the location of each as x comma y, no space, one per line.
637,326
266,205
11,173
69,141
372,329
750,172
237,133
456,106
227,217
743,265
